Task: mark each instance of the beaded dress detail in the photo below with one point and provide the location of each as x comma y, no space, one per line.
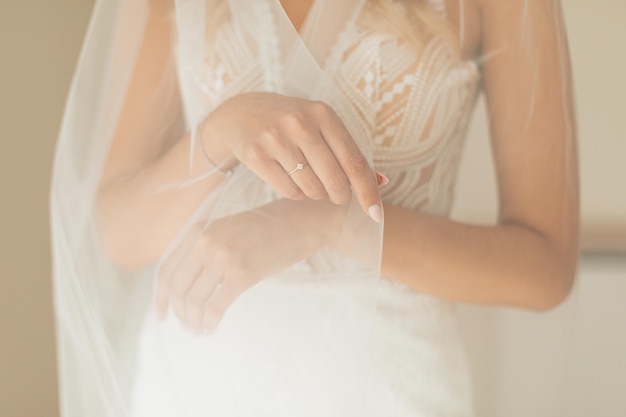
415,108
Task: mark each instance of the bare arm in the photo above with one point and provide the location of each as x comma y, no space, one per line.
528,259
145,156
269,133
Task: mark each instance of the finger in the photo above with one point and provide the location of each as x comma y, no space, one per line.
165,271
182,278
324,164
274,174
222,298
323,176
305,177
199,294
356,167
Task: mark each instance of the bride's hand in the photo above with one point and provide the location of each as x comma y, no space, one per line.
213,265
300,147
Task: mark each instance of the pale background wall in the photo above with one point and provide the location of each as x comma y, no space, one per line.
39,41
576,353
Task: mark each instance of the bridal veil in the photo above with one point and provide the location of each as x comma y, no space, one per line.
302,339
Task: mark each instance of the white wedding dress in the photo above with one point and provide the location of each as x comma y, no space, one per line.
414,108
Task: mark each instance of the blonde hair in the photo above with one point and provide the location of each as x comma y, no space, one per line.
414,21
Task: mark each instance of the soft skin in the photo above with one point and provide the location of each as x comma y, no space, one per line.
527,259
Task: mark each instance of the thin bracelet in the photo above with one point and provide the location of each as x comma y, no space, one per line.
215,168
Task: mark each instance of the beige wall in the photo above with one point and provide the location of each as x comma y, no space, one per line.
596,34
39,41
519,355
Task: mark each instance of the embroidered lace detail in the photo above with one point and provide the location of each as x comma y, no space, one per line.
415,106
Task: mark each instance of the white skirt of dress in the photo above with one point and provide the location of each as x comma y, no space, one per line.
403,357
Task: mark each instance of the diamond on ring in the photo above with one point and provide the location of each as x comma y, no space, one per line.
298,167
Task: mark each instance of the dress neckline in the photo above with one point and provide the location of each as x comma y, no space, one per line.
307,17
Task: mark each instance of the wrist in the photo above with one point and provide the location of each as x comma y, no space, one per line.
327,224
214,151
319,222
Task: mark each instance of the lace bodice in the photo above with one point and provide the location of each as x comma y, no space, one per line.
414,106
322,313
416,109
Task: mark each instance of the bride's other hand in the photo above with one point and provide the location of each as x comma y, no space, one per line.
215,264
300,147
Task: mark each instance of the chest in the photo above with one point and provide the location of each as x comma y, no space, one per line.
464,17
297,11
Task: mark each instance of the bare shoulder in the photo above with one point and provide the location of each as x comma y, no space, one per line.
518,15
465,18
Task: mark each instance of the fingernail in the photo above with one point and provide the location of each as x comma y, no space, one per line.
376,213
381,179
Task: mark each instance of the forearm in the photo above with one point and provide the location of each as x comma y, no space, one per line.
140,213
507,264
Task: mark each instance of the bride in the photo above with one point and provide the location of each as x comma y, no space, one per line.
250,202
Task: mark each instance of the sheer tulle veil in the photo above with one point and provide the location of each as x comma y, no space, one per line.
302,339
100,307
